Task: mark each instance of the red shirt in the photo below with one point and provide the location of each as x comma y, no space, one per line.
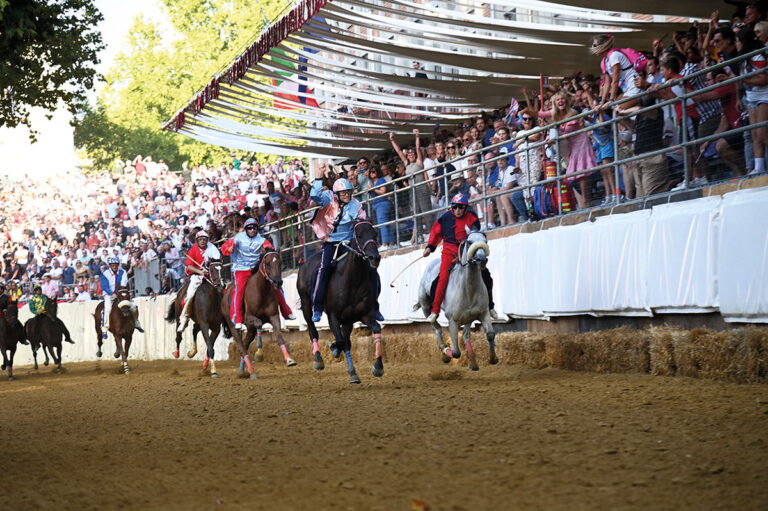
452,230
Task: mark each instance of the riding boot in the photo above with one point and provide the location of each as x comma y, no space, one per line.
376,286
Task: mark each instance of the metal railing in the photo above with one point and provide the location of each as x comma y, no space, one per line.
294,238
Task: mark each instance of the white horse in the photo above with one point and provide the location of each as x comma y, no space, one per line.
466,299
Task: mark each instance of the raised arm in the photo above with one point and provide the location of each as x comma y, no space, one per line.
397,149
419,156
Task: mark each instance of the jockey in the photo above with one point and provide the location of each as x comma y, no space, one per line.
199,257
38,306
111,279
340,211
450,227
247,249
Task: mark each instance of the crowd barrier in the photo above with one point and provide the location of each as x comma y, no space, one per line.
703,255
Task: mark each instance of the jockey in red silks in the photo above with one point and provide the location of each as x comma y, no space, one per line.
198,259
246,249
451,228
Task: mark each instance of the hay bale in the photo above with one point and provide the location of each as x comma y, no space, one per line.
563,351
661,350
725,355
620,350
522,348
756,342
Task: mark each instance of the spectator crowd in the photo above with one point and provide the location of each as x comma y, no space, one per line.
59,232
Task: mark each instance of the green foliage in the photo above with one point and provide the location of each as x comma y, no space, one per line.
47,53
153,77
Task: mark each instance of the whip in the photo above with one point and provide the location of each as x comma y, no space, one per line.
392,284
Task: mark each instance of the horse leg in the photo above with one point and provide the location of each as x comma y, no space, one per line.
56,356
34,347
453,329
468,345
5,360
45,352
195,329
378,366
306,311
209,350
178,344
341,332
127,341
243,340
490,334
259,346
213,334
9,365
275,320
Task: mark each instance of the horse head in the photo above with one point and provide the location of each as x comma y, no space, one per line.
475,248
364,238
272,269
214,269
123,299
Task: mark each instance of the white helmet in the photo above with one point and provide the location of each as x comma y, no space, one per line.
201,234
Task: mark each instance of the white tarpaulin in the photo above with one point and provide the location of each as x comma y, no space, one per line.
742,263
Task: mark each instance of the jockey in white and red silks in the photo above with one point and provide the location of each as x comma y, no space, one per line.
247,249
199,258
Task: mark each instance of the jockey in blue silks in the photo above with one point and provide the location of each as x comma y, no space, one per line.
346,211
112,278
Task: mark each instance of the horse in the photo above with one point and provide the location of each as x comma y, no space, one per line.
260,307
205,313
121,323
466,298
11,333
233,223
350,297
43,330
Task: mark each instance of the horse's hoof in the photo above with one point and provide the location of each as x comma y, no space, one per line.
57,370
36,367
456,354
191,354
259,357
319,364
117,354
127,370
11,378
2,367
214,375
378,368
290,362
473,367
254,377
176,354
494,359
45,363
354,379
98,354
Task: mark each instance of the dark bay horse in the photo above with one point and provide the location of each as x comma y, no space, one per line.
121,324
260,307
11,333
205,313
47,331
350,297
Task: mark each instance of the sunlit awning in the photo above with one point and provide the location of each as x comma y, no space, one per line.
332,78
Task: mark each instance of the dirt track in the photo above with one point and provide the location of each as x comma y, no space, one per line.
507,437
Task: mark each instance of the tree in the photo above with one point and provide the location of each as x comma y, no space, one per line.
151,79
48,52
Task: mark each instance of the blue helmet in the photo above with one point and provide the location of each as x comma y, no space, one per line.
342,185
113,260
460,198
250,221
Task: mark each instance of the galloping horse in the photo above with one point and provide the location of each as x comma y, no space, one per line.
43,330
121,324
350,297
260,307
205,313
11,333
466,298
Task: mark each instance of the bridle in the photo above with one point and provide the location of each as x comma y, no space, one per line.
211,266
263,268
357,248
462,244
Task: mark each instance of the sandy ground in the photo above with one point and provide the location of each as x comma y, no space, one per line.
507,437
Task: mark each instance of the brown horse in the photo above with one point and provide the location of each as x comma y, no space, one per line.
206,315
122,323
11,333
260,307
46,330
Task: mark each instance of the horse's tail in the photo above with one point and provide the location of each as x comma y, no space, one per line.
170,316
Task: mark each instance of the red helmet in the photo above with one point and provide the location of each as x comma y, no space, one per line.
460,198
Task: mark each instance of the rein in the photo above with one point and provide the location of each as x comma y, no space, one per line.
263,269
360,251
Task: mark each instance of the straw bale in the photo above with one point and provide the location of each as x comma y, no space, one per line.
522,348
724,355
662,351
563,351
756,341
620,350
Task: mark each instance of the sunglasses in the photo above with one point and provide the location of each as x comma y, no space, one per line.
526,119
250,228
451,146
458,206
